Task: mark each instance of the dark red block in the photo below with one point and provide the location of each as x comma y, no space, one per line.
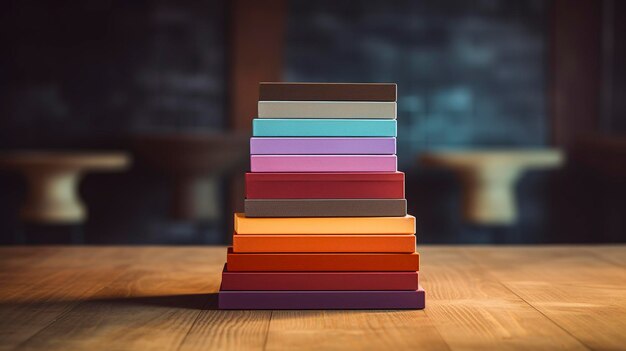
314,300
319,280
363,185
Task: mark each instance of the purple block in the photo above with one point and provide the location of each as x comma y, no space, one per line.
321,300
323,163
322,146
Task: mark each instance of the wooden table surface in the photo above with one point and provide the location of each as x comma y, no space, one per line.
164,298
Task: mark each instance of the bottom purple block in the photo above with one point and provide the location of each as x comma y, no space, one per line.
320,300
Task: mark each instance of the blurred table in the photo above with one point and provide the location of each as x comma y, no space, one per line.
188,159
482,298
53,178
489,177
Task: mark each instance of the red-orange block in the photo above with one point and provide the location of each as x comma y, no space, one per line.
324,243
322,262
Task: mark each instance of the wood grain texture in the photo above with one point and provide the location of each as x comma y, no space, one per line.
574,287
358,330
473,310
164,298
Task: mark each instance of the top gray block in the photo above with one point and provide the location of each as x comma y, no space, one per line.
327,92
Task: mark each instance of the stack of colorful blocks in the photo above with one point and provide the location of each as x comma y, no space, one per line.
325,223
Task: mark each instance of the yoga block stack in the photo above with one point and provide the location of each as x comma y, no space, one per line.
325,223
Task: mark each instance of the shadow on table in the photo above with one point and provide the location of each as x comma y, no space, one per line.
185,301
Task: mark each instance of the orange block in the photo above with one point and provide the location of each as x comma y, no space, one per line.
325,225
324,243
322,262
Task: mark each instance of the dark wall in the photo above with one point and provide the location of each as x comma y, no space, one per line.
470,74
96,74
614,118
476,75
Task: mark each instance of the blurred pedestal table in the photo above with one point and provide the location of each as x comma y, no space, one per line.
194,162
52,178
488,179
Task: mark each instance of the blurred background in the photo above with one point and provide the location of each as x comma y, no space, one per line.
145,108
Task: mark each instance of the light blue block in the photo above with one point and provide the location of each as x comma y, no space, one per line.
270,127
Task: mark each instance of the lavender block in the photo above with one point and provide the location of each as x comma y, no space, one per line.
322,146
321,300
